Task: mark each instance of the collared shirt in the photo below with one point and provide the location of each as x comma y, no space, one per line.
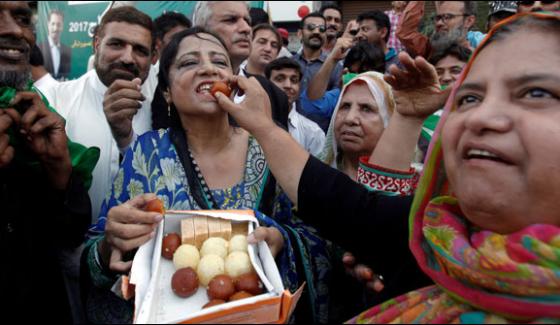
306,132
320,110
55,54
238,99
310,68
394,42
80,102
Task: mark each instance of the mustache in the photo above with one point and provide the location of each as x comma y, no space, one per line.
333,27
241,37
132,68
16,43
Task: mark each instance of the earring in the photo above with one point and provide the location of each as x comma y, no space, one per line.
168,110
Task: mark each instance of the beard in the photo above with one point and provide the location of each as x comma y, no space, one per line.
15,79
456,34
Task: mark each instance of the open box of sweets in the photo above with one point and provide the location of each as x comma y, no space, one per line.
200,269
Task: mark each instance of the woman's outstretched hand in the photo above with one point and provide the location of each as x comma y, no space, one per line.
416,87
254,112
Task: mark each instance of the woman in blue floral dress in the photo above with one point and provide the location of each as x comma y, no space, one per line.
202,162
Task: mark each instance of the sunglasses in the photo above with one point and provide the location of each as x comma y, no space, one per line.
312,27
530,3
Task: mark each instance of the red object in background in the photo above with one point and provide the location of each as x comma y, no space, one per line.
303,11
284,33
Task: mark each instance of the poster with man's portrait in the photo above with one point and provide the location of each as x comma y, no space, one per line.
65,30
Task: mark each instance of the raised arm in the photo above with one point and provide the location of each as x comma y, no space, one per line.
417,95
285,157
407,31
320,82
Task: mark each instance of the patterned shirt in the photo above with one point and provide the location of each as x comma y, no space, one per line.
394,42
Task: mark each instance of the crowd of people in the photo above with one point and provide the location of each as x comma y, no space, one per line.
403,177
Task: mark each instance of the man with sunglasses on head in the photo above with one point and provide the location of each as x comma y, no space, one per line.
455,18
533,6
312,33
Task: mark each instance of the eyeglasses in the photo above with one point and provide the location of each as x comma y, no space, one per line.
446,17
311,27
531,3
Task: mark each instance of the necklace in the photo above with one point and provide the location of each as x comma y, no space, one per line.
208,197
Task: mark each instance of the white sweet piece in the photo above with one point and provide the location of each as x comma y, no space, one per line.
209,267
186,256
238,243
238,263
214,246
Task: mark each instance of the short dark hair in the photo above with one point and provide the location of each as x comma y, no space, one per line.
36,57
169,20
282,63
273,30
330,6
443,48
130,15
258,16
368,56
55,12
313,14
381,20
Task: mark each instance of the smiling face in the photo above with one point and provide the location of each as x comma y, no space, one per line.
369,32
200,61
16,39
358,124
501,143
334,22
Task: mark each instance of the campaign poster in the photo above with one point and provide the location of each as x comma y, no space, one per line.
65,30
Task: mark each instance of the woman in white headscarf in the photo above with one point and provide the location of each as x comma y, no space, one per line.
360,117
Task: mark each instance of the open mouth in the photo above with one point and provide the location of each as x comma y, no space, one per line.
13,53
204,87
482,154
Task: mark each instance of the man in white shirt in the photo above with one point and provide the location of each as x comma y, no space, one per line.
286,74
231,21
265,47
109,106
57,56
